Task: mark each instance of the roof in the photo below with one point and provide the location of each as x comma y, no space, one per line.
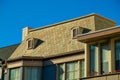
55,40
100,34
5,52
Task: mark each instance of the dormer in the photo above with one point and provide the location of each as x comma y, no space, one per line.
76,31
32,43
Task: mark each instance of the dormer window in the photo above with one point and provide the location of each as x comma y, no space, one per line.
76,31
31,42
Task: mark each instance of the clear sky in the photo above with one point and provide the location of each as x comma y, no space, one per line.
17,14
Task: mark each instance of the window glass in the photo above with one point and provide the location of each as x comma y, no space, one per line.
82,65
61,72
30,44
104,58
15,74
32,73
117,55
72,71
93,60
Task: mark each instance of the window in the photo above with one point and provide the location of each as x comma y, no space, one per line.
93,60
76,31
32,73
72,71
61,72
117,56
103,52
32,43
82,68
15,74
104,58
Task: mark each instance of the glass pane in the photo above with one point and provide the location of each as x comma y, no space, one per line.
76,65
104,58
93,60
32,73
15,74
69,67
61,72
72,71
75,75
82,63
117,55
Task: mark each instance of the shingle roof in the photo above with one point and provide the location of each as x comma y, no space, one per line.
6,52
56,39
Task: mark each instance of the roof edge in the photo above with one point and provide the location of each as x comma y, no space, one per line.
92,14
42,58
25,58
10,45
66,54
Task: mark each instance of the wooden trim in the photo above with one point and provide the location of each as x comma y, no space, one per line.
112,32
64,59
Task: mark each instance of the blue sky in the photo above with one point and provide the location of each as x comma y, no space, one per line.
17,14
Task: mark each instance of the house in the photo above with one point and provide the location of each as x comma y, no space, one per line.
83,48
5,53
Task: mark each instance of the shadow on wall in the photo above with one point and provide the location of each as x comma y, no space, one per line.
39,42
49,71
86,30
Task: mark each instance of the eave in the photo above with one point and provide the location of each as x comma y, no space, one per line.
81,51
99,35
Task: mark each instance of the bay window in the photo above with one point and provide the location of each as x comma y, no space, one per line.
15,74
